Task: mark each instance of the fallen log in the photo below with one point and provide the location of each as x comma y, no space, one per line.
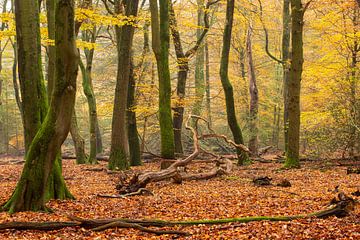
342,208
41,226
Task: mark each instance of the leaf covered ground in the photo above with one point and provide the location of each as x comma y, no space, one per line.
229,196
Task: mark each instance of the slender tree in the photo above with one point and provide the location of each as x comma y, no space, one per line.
133,138
199,63
183,59
228,89
254,95
124,37
30,192
286,35
160,45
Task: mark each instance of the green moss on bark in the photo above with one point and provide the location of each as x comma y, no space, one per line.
118,160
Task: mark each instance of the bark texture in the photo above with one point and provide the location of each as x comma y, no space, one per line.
254,97
160,45
119,140
30,192
297,59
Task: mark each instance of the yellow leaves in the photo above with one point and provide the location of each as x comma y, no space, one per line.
10,31
85,45
6,17
91,18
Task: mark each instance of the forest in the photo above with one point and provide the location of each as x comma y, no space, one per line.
179,119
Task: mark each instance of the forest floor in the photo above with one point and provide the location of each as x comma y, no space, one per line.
225,197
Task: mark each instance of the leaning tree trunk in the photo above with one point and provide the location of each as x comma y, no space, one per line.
228,89
297,59
254,97
119,142
30,192
160,44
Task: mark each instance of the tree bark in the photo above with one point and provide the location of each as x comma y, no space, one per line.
207,82
30,192
78,140
297,59
133,138
254,97
286,35
228,89
119,152
199,63
183,59
160,45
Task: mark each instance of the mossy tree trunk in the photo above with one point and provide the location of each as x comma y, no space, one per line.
31,190
228,89
86,71
296,68
133,138
56,184
79,142
160,45
119,152
90,96
254,96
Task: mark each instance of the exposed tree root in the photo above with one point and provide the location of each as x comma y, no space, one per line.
343,207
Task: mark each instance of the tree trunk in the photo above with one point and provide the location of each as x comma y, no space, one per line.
78,140
95,134
183,59
199,63
292,153
90,96
183,68
160,44
254,97
207,82
285,58
228,89
30,192
56,185
119,140
133,138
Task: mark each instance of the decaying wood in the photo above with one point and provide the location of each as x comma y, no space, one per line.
141,191
172,172
41,226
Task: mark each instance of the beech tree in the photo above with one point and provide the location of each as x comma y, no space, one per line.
228,89
30,192
294,87
124,36
160,45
